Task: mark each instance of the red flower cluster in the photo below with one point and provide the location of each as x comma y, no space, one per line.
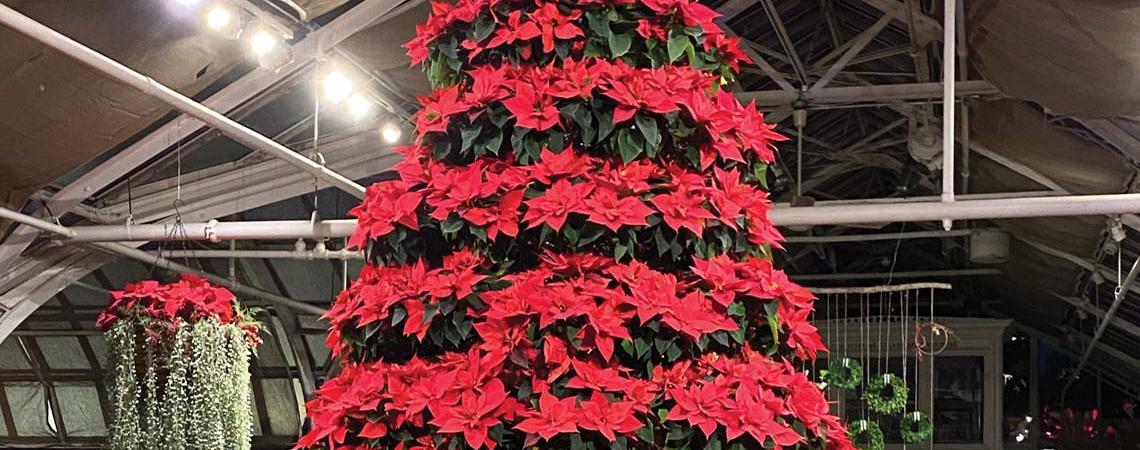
533,95
492,195
412,288
188,300
464,395
605,302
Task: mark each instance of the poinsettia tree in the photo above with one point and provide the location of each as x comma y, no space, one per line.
576,252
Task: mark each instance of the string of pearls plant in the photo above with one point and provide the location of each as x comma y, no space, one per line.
179,367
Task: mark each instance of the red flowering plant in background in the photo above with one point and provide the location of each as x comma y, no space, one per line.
161,308
576,253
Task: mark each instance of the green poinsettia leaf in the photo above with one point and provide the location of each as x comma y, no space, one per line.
619,44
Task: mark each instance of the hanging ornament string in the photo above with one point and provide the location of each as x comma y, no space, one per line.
931,379
887,324
865,332
904,306
879,338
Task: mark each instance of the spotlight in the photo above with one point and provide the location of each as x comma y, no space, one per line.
223,21
188,3
262,42
390,132
218,18
337,87
267,47
359,106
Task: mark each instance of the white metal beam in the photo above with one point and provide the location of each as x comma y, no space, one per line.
1114,135
226,100
186,105
896,275
911,211
876,236
250,185
888,93
1084,305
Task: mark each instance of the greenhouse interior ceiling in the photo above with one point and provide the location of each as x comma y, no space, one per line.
107,181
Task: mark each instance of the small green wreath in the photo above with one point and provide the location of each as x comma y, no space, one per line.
844,373
866,435
915,427
886,394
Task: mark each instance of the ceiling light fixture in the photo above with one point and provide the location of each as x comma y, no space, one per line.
219,17
358,106
262,42
390,132
337,87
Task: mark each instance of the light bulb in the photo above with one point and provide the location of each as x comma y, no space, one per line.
218,18
390,132
262,42
337,87
359,106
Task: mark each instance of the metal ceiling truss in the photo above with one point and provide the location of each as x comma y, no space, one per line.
46,277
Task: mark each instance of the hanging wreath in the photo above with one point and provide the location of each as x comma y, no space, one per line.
179,360
844,373
916,427
866,435
886,394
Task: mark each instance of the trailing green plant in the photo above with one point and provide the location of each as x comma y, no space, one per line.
844,373
886,394
915,427
179,357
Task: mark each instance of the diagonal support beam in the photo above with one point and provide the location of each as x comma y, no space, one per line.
186,105
1084,305
926,29
227,100
858,44
785,40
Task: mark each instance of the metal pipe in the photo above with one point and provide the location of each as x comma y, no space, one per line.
263,254
215,231
149,86
1005,208
963,73
910,211
25,219
147,258
1118,299
876,236
950,8
895,275
885,93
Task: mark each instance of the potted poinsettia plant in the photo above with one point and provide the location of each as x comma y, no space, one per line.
576,253
179,362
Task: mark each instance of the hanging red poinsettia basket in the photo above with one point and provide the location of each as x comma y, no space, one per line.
178,358
163,307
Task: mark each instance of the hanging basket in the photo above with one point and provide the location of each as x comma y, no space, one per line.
886,394
844,373
915,427
179,360
866,435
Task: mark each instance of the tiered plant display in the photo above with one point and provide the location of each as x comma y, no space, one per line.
576,253
179,361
